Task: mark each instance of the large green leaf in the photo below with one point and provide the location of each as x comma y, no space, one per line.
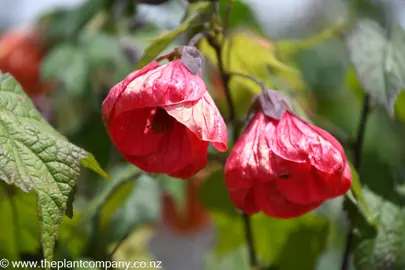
379,60
386,250
67,64
34,156
159,44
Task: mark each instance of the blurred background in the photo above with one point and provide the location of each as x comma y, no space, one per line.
68,54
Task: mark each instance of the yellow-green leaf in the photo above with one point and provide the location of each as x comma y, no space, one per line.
159,44
91,163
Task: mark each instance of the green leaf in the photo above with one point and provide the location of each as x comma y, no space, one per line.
72,237
261,58
96,44
103,207
288,244
106,68
66,24
67,64
91,163
214,194
19,231
141,207
241,15
115,200
287,49
291,244
34,156
159,44
386,250
400,107
379,60
133,199
358,194
120,175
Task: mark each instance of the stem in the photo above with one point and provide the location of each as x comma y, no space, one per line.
232,118
194,40
253,79
249,239
226,79
111,254
227,16
358,147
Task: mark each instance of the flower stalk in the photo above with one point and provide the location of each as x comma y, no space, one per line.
232,118
357,149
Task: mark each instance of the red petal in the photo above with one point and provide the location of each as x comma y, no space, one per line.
292,139
195,164
110,102
333,185
311,158
297,141
249,160
128,132
165,85
271,201
302,183
302,187
328,137
156,152
244,200
203,118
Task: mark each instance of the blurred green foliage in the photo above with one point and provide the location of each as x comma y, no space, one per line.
326,76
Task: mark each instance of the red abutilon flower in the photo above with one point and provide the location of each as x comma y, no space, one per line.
284,166
162,118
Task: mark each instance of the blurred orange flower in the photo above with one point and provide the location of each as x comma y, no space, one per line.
193,218
21,52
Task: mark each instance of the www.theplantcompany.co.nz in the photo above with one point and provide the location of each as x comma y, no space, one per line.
63,264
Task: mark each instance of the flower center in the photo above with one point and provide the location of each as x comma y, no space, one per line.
162,122
284,176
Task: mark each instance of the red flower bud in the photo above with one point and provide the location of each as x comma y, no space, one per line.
285,168
161,118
